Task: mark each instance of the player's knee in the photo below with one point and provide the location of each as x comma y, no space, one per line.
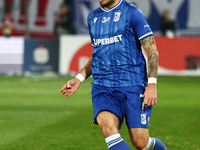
139,144
109,129
108,123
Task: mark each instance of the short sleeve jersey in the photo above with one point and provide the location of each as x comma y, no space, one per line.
117,59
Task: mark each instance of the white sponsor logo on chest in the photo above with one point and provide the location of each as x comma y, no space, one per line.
110,40
106,19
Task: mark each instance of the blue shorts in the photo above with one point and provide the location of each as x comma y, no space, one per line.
124,102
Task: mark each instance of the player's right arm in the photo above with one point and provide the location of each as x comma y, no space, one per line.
72,85
145,35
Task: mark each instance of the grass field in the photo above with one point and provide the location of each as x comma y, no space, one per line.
34,115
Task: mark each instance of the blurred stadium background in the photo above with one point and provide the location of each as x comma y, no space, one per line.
35,63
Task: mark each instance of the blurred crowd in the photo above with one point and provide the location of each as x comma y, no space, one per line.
63,20
7,29
167,26
63,23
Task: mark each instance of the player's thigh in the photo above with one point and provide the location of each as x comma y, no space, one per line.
139,137
108,122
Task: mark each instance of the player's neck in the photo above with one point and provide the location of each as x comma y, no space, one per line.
112,5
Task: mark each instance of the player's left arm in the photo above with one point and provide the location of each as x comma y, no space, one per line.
150,93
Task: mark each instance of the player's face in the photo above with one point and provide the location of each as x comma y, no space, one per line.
106,3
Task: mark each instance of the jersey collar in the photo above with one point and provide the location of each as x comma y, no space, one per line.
112,8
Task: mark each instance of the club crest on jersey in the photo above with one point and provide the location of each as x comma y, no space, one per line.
117,16
105,19
95,19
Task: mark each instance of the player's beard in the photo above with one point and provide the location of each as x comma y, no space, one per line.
107,3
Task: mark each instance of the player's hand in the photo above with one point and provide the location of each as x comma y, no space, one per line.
150,95
70,87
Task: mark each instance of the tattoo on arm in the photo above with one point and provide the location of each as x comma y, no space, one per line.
153,64
148,41
150,47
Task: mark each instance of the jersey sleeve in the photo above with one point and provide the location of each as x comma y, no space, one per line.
89,28
89,20
139,23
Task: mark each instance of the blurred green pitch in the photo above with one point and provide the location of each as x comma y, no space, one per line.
34,115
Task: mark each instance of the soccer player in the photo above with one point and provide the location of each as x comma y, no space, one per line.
120,88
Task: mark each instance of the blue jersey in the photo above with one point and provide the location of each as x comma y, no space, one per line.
117,59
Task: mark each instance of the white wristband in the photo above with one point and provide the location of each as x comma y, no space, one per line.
80,77
152,80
